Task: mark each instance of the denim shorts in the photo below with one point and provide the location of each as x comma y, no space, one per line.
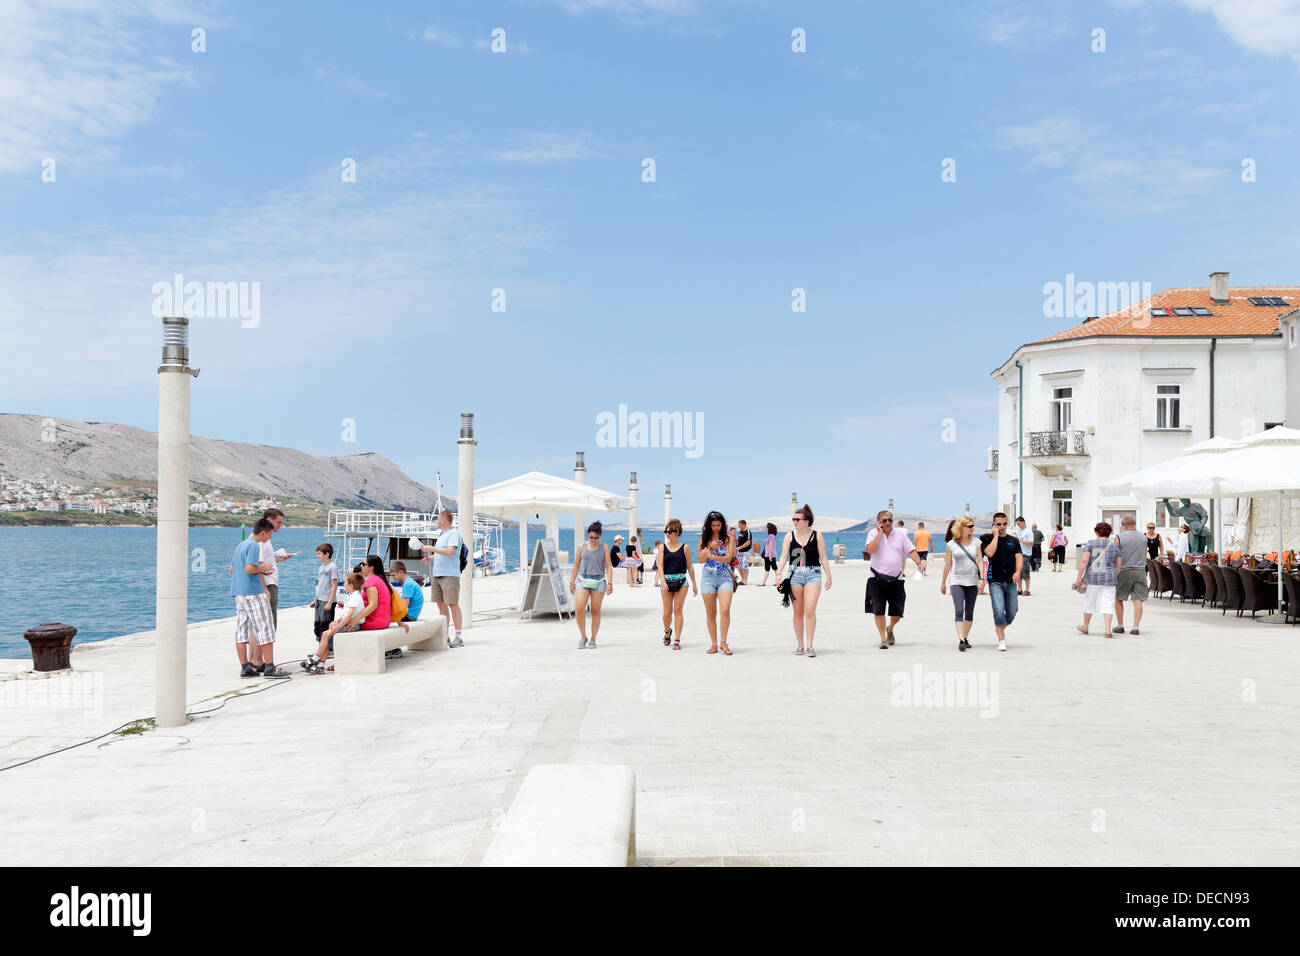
592,584
801,576
715,579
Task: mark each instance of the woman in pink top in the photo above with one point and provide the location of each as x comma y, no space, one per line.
378,595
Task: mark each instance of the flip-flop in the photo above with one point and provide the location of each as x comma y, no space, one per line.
711,650
726,650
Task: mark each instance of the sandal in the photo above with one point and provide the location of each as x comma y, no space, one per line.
668,636
1081,629
712,650
677,645
725,649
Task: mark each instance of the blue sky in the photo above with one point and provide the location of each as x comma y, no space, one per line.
522,171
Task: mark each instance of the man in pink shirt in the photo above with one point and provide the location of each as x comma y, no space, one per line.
887,547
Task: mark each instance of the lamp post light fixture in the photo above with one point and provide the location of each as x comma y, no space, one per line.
172,588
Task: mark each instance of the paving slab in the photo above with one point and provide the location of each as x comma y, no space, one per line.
1172,748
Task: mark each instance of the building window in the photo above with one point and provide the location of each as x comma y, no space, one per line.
1163,518
1063,508
1168,402
1062,409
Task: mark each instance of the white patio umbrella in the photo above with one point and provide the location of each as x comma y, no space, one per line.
1265,463
1171,477
537,493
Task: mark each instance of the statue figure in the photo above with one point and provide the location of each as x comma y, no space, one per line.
1195,517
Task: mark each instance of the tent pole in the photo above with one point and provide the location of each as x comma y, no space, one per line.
525,559
1279,553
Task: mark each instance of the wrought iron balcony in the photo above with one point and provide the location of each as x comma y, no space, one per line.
1056,443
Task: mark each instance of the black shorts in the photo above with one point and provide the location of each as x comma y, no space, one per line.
885,595
769,564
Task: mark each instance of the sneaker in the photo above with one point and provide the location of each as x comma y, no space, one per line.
591,645
248,670
811,652
889,633
274,673
1002,645
308,662
456,642
582,643
798,652
961,645
1118,630
965,644
1134,632
317,668
395,652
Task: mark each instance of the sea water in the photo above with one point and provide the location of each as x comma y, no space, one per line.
101,580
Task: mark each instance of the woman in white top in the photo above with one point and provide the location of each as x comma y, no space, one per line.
1184,542
963,564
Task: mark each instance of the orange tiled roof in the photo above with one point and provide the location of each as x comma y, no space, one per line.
1238,317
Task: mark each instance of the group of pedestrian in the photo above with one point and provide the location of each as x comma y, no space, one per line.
1112,572
371,599
724,555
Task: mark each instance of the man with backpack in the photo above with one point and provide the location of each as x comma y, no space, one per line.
448,562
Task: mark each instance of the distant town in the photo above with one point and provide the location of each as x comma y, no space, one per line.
45,500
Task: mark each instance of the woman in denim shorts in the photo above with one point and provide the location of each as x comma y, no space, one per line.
808,575
717,550
592,578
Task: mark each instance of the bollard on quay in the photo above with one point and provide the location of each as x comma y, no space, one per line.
51,646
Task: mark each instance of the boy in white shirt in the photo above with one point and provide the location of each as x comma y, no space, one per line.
353,606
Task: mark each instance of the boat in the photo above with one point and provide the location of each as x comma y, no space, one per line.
357,532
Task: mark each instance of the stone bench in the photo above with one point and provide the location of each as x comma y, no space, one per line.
362,652
569,815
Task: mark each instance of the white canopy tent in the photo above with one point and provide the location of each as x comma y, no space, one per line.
1265,463
543,495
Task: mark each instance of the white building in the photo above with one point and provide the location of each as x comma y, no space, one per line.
1290,328
1127,390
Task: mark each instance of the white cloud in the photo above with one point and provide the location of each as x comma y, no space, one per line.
1263,26
440,37
77,74
674,7
1105,168
349,83
1019,23
407,246
551,148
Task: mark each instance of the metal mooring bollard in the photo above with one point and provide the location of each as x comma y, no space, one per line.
51,646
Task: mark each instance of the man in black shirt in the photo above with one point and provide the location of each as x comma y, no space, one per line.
1005,563
615,552
744,550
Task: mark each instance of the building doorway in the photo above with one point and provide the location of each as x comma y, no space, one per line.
1063,508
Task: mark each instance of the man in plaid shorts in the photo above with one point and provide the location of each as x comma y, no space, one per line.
252,605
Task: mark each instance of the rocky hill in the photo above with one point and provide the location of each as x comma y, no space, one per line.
99,452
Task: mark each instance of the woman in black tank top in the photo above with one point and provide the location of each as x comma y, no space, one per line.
672,568
808,575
